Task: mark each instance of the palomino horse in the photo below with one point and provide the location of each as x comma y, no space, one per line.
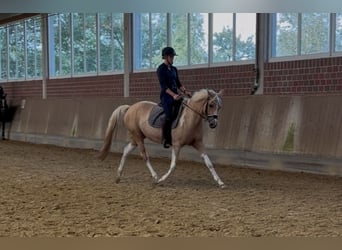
204,104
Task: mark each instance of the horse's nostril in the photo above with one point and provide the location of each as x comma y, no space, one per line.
213,124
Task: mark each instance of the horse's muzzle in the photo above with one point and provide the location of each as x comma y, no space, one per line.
212,120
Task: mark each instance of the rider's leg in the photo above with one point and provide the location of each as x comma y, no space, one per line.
166,129
167,139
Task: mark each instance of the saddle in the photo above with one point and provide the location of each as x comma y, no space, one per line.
157,117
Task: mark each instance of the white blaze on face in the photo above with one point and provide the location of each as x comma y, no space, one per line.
218,102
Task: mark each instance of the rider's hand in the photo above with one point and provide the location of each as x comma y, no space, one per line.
177,97
187,93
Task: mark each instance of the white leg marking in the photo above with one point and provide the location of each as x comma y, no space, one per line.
172,167
210,166
153,173
127,150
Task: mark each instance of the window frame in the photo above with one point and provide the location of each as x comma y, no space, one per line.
189,64
331,36
98,71
37,20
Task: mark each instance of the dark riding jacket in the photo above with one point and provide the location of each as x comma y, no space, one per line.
168,78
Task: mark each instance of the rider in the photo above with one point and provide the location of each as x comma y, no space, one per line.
169,96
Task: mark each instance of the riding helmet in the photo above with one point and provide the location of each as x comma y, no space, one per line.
167,51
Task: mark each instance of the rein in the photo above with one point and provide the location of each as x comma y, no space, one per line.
205,117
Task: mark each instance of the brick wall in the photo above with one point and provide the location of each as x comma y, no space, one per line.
96,86
301,77
236,80
314,76
23,89
144,84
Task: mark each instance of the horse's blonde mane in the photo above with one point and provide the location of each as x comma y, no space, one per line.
204,94
199,95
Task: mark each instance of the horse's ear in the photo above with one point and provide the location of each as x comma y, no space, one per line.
220,93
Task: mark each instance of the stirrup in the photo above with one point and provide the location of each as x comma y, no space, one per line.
166,144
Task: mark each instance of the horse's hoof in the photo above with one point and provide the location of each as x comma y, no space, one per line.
223,186
117,180
154,184
155,180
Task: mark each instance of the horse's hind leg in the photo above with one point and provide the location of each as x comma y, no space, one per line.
127,150
146,158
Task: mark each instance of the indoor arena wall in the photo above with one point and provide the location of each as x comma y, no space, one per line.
299,133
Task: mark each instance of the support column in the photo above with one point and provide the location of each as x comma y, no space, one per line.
260,55
128,61
45,59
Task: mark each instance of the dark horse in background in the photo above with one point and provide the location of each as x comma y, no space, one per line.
3,111
6,112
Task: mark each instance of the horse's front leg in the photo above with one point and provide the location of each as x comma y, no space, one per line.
200,148
210,166
146,158
174,157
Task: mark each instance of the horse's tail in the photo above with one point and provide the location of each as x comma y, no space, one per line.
111,127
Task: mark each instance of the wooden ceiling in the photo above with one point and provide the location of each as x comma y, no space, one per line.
10,17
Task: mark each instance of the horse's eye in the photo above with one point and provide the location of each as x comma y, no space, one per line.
211,105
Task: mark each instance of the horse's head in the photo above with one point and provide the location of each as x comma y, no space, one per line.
212,104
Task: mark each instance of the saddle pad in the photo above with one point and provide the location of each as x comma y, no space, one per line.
157,117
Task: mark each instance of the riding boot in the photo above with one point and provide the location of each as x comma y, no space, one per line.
167,140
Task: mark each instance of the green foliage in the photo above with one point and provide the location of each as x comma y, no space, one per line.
85,43
16,51
189,37
179,37
185,32
150,39
338,39
3,53
198,39
224,46
314,33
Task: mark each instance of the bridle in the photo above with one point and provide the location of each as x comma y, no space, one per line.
204,116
